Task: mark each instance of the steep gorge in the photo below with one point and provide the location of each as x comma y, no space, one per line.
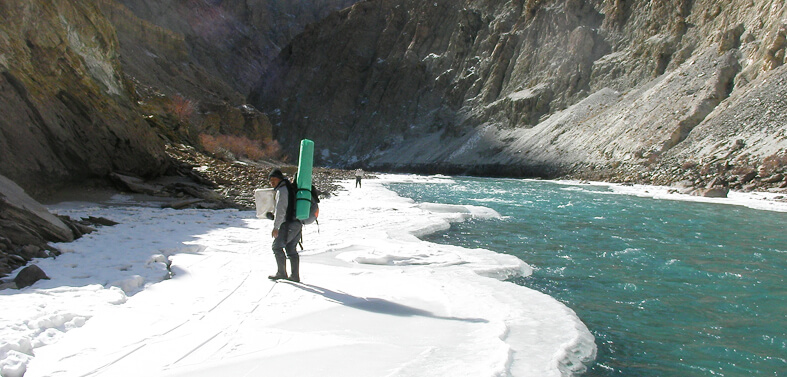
679,91
634,91
90,90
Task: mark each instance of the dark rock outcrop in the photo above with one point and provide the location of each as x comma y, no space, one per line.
29,275
68,113
30,220
26,227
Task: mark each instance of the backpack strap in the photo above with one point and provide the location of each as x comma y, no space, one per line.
290,216
304,199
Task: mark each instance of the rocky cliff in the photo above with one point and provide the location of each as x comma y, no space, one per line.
660,92
68,111
654,92
93,88
234,40
93,92
176,94
69,115
204,56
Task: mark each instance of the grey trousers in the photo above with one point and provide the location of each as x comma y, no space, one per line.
289,235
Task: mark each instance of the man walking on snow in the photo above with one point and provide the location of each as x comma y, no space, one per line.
358,176
286,228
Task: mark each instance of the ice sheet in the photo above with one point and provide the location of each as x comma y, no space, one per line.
185,293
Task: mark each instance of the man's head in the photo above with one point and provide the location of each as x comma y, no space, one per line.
275,177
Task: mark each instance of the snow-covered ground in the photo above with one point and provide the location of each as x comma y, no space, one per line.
375,300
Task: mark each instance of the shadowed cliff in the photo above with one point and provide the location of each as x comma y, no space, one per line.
91,94
68,112
234,40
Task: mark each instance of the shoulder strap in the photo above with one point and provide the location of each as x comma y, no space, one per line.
290,200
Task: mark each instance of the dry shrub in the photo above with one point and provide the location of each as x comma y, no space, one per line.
239,146
182,108
272,149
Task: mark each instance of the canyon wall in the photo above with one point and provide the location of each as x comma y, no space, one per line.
669,92
93,88
89,90
234,40
639,91
68,111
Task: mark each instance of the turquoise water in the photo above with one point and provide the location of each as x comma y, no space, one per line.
668,288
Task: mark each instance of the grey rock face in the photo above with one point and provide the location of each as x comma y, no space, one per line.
29,217
91,91
67,110
607,90
26,227
714,192
235,40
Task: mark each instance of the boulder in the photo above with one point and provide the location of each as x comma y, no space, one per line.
33,251
29,275
717,182
180,204
135,184
714,192
717,188
26,228
776,178
24,221
685,186
99,221
747,176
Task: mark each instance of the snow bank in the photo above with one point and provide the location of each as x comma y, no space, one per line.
185,293
95,273
763,201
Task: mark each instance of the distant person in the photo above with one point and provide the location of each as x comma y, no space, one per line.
286,228
358,176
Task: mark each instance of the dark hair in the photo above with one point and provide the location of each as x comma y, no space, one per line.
276,173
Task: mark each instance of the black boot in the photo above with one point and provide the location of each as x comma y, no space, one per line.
281,265
295,262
